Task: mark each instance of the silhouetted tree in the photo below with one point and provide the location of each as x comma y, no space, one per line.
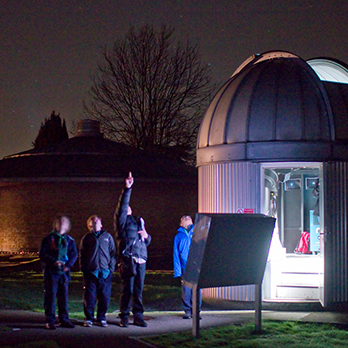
52,131
150,92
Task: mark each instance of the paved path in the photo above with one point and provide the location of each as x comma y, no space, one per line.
25,326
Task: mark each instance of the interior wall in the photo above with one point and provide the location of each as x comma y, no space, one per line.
292,219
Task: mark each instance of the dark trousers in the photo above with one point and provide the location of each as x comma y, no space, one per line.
133,287
56,286
96,289
187,298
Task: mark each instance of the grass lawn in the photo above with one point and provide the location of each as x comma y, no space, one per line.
24,290
274,334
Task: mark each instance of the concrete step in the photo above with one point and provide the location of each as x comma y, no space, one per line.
297,292
309,279
303,263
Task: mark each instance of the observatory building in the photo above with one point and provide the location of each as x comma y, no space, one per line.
274,141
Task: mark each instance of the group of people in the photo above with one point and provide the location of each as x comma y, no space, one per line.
97,255
58,254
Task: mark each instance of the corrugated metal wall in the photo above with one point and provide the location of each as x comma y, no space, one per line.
235,293
335,217
225,188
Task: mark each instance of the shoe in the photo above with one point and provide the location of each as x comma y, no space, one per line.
88,323
50,326
124,322
139,322
189,316
67,324
102,323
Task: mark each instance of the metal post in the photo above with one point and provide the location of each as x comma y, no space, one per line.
258,305
195,311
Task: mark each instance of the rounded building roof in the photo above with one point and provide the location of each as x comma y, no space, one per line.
90,157
276,108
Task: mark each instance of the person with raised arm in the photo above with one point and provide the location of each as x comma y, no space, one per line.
132,241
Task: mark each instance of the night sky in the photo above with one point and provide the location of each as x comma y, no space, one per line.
49,49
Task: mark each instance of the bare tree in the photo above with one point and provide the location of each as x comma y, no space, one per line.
150,92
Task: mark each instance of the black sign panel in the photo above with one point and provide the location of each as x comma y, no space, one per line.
228,249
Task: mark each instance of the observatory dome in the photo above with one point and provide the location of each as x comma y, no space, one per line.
277,107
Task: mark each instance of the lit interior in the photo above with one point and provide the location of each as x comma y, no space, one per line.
291,195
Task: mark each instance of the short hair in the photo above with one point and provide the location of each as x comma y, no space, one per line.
57,222
89,220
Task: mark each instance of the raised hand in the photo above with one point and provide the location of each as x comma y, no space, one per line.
129,180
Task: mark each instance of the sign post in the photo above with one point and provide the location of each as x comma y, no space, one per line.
258,307
195,311
227,250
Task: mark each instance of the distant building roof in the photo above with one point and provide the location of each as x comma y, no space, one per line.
89,156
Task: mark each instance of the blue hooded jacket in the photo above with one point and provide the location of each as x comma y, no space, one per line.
182,243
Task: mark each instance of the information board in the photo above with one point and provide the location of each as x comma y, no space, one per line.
228,249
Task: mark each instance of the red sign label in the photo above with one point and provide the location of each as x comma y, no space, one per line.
245,211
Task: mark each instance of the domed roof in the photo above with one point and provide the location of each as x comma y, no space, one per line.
89,156
275,108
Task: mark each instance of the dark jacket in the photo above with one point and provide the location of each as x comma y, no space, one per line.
49,252
127,227
97,253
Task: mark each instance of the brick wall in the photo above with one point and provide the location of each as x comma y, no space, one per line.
28,209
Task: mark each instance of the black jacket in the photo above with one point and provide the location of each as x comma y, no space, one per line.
49,252
127,227
97,253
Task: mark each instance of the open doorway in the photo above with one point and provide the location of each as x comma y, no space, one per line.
292,194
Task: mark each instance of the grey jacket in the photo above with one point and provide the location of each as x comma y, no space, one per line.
97,253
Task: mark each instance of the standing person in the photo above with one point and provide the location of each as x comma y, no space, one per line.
97,261
132,240
182,243
58,254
